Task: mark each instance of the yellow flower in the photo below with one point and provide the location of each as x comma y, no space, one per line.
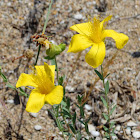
45,91
93,34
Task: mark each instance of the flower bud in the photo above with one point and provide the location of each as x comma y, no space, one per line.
55,50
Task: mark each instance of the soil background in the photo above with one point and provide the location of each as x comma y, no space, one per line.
20,19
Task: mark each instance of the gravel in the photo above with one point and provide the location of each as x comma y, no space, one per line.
21,19
37,127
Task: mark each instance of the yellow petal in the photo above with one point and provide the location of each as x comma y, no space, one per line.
43,79
79,43
40,70
50,71
120,38
55,96
102,26
26,80
83,28
35,102
96,55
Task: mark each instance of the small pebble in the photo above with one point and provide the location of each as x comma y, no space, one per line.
46,112
34,114
128,130
60,133
131,124
136,54
69,89
117,16
94,2
103,121
88,84
10,101
91,127
78,16
88,107
136,134
95,133
114,137
118,127
98,138
116,132
37,127
87,137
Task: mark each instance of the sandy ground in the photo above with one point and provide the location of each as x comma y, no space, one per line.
21,19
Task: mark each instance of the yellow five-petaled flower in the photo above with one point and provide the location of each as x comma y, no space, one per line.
93,34
45,91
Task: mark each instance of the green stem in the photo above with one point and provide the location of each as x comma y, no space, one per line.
47,17
45,25
57,121
56,70
106,98
38,54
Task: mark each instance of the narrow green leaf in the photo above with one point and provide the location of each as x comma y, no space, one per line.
68,103
66,113
64,92
65,109
22,92
60,126
113,130
99,74
104,101
106,135
79,136
67,133
57,108
79,99
3,77
63,122
89,119
10,86
112,124
74,118
60,81
86,128
112,134
70,136
83,105
105,128
82,112
63,103
105,116
107,87
81,121
77,105
72,128
107,75
58,122
112,110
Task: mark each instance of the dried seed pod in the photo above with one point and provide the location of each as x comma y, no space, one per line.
28,53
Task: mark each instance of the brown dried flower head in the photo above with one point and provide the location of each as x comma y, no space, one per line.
41,40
